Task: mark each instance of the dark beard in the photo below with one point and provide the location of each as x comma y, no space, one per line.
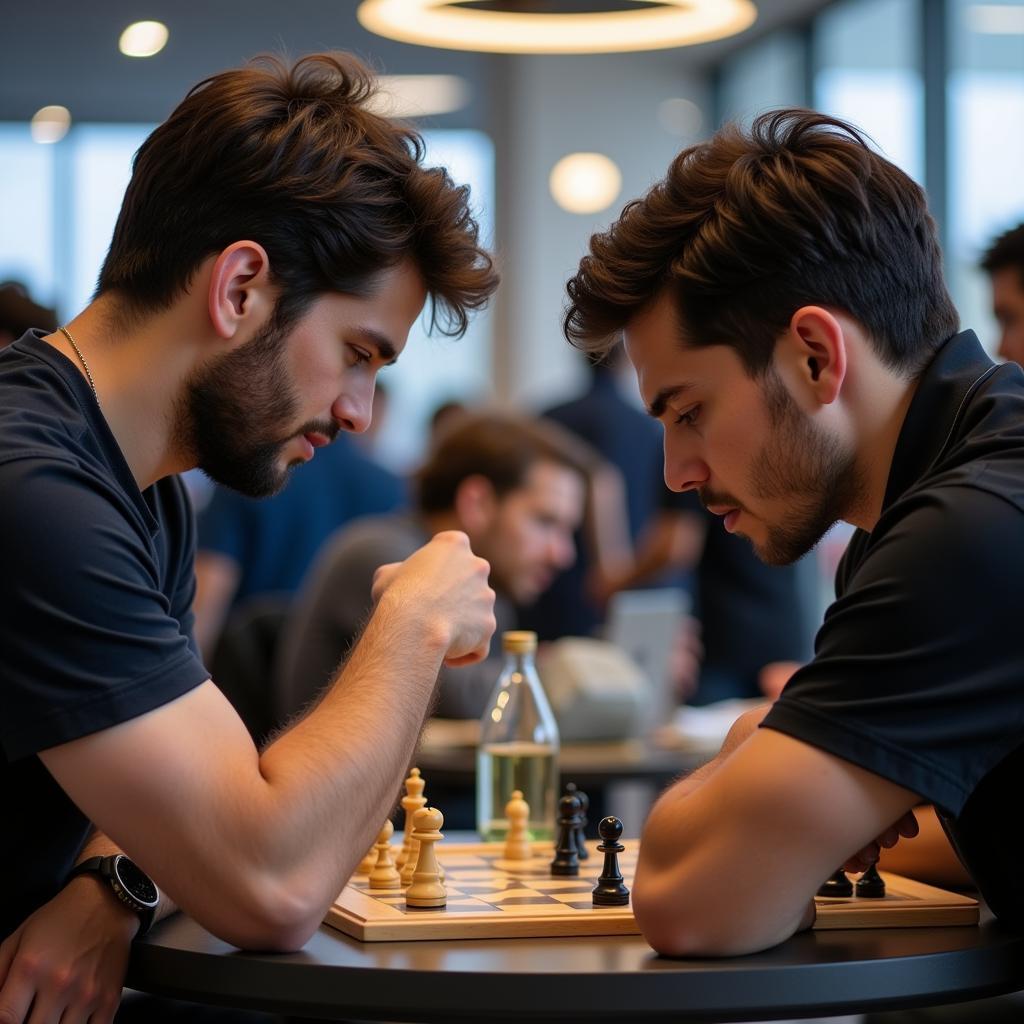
811,469
230,411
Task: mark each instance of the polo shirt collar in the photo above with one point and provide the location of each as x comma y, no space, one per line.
936,410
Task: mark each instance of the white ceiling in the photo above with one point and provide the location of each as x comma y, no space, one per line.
65,51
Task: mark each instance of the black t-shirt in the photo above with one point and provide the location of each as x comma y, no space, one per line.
96,590
918,674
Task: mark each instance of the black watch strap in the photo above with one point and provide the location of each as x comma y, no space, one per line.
106,868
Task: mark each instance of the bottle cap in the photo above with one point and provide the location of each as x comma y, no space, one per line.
519,641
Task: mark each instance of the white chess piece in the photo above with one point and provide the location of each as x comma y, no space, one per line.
427,890
517,842
411,803
384,875
367,864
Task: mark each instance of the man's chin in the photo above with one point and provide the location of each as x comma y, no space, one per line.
259,481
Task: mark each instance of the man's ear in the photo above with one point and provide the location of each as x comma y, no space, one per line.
813,353
475,504
240,294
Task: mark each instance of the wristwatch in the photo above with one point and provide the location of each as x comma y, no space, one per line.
131,885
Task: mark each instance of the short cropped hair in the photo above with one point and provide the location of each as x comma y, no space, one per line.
751,225
1006,251
501,447
293,158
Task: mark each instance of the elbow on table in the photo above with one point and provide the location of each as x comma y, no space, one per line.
268,916
678,926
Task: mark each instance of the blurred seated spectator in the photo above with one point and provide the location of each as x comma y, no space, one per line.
19,313
1004,263
515,486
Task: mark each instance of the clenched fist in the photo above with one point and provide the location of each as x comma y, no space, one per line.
444,587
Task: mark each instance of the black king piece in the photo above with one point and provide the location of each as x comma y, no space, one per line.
610,891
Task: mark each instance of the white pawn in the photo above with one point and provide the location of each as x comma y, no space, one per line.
367,864
517,841
427,889
411,803
384,875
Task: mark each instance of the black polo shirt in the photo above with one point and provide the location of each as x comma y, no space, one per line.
96,589
918,674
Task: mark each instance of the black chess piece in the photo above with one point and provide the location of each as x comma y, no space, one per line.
837,885
610,890
871,885
567,860
581,831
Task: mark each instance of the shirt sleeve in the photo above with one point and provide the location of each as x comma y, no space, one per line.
917,670
89,635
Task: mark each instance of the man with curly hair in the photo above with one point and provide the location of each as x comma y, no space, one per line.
275,245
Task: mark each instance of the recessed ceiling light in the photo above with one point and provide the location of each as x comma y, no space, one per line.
50,124
459,27
419,95
143,39
585,182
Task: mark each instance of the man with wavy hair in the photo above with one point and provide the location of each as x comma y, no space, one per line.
781,298
275,245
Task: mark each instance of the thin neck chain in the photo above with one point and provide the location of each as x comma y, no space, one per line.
78,352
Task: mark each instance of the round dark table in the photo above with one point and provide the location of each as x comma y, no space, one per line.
614,979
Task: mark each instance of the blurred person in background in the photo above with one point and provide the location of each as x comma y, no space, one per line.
20,313
515,486
1004,263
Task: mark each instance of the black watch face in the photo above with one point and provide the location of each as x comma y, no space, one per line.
135,883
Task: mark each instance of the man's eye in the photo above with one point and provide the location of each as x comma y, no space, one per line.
689,417
360,357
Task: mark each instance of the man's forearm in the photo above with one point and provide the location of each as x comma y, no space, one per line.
355,746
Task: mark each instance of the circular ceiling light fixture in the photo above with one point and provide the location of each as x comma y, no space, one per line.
143,39
647,26
50,124
585,182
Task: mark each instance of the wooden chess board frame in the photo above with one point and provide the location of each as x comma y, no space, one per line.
492,898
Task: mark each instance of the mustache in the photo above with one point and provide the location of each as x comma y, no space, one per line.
329,428
718,498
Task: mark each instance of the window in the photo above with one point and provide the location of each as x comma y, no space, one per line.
985,97
868,73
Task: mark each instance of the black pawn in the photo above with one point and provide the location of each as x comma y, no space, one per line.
567,860
871,885
610,891
581,832
837,885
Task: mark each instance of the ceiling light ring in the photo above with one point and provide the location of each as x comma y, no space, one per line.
673,23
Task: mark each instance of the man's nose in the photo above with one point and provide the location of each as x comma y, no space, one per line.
353,412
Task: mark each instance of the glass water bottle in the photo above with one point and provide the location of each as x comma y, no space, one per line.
518,746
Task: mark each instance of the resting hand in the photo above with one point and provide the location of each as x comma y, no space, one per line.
863,859
67,961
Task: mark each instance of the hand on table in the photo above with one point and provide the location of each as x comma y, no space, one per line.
864,858
66,962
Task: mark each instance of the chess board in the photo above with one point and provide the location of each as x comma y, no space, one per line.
489,897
